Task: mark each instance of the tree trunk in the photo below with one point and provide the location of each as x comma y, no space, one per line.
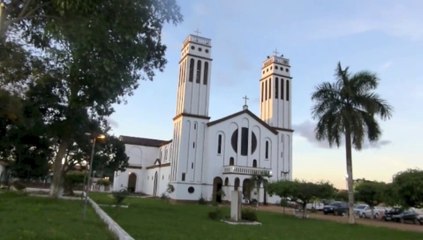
351,219
56,185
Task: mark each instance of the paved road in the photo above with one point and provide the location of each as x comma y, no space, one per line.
370,222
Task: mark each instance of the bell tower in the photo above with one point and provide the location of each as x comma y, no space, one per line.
194,77
275,109
190,122
275,92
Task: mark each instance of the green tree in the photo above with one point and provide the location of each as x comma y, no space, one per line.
110,157
371,192
302,190
348,108
390,195
408,186
92,52
341,195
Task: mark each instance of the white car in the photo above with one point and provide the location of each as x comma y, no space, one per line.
359,207
367,212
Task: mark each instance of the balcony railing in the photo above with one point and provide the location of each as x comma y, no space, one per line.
246,170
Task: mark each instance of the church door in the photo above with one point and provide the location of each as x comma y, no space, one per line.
155,185
246,189
236,184
132,182
217,189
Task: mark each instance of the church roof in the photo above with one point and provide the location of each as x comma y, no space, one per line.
246,111
144,141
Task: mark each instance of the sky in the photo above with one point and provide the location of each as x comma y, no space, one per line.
381,36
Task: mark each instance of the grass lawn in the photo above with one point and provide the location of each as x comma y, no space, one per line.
26,217
157,219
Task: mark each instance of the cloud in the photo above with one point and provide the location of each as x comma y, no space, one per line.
395,19
306,130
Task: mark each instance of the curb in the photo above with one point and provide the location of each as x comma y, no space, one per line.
111,224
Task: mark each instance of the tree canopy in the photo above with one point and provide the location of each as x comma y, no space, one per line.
408,186
371,192
301,190
74,59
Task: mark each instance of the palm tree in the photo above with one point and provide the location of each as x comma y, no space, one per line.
257,180
348,108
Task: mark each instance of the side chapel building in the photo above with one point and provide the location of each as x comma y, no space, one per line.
206,158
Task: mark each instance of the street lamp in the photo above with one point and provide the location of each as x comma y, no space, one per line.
2,15
90,166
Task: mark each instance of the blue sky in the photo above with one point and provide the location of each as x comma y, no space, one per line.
382,36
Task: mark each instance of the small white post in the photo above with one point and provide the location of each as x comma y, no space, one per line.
236,206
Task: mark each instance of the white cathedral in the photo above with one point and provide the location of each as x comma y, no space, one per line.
209,159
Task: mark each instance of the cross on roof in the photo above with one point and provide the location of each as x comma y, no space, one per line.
275,52
197,32
245,100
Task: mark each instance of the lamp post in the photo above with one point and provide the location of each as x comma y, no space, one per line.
2,15
90,166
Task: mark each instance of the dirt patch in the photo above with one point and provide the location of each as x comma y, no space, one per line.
344,219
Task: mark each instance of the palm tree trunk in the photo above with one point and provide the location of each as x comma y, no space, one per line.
351,219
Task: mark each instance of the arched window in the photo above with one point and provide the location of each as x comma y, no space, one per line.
287,90
253,142
191,70
206,72
231,161
244,141
236,184
234,140
226,181
219,144
254,163
198,74
267,150
265,90
270,88
276,87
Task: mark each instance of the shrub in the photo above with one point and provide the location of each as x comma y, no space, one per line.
216,214
164,197
248,215
202,201
170,188
120,196
103,182
18,185
72,179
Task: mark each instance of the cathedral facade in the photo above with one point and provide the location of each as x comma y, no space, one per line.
209,159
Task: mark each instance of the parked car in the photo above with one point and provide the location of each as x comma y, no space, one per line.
389,213
368,212
316,206
337,208
411,215
359,207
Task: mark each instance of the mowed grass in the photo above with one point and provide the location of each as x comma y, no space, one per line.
157,219
27,217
